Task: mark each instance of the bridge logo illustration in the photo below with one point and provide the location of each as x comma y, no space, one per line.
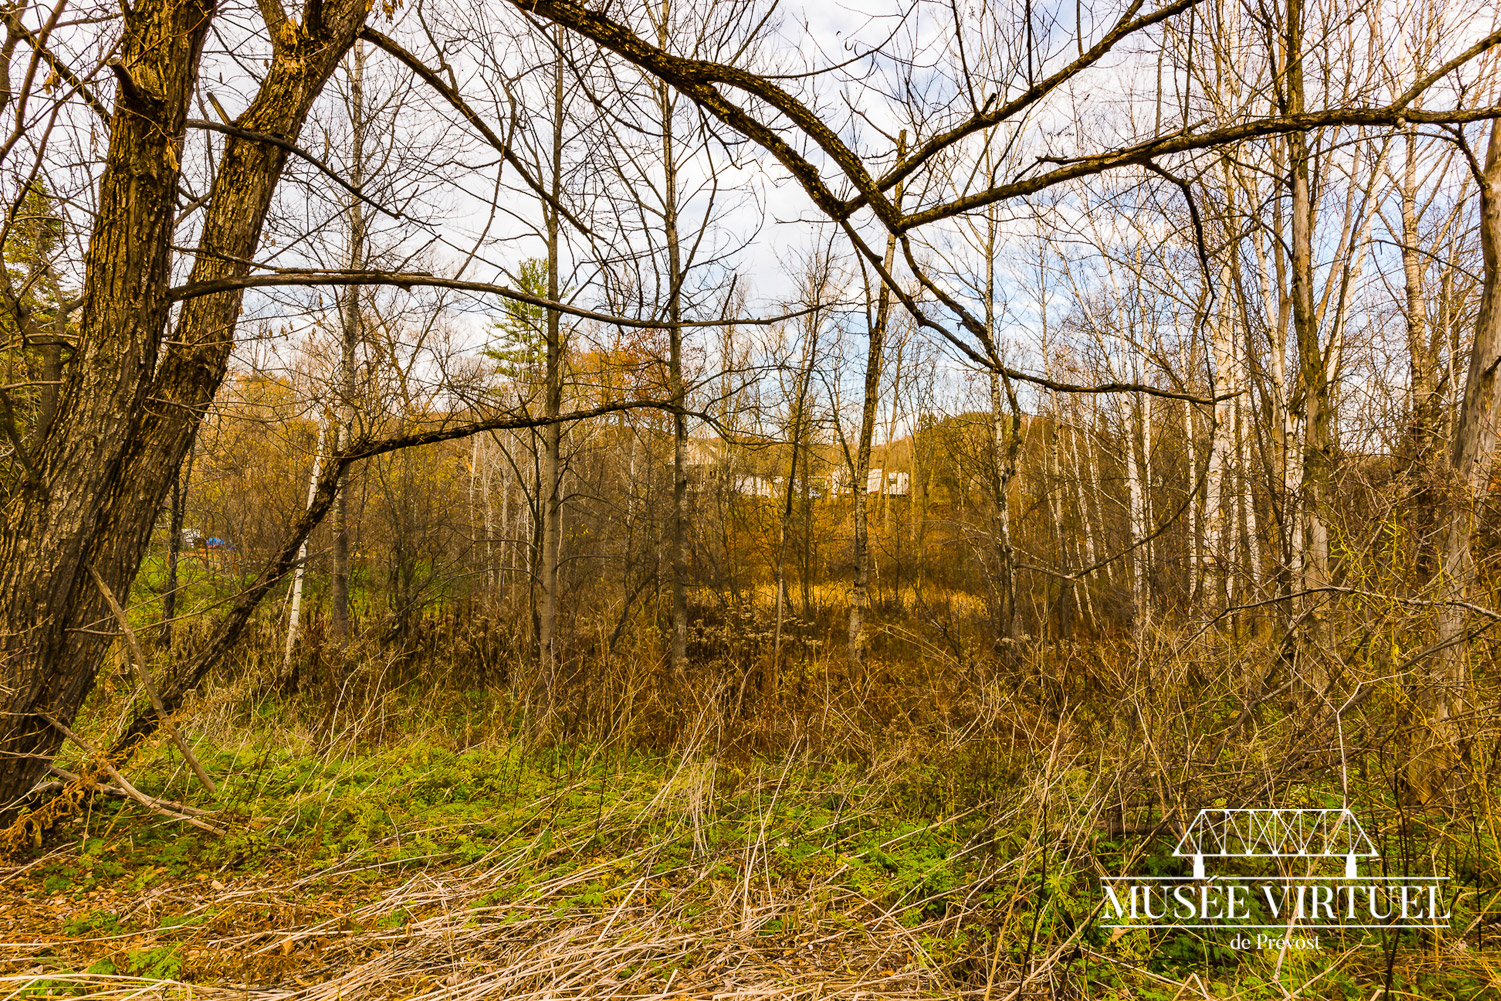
1292,871
1275,834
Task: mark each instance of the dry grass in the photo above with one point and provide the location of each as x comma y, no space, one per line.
694,931
454,946
1047,771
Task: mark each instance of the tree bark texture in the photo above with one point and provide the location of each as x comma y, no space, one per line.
350,329
550,486
109,459
1471,463
874,360
678,529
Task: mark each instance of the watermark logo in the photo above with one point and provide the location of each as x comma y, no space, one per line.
1315,885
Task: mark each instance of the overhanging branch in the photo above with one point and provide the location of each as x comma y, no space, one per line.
294,278
285,560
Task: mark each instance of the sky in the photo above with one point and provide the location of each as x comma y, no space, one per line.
768,229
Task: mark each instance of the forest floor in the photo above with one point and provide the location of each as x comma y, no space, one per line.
450,861
430,872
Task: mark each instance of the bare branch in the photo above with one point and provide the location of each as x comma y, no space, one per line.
416,279
138,661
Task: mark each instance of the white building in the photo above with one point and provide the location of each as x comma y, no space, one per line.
754,486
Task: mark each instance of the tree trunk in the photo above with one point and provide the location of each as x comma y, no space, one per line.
1094,515
1318,443
1192,516
1082,468
174,547
1471,461
52,357
550,485
797,416
483,451
109,461
1216,523
874,358
1005,447
678,529
287,679
1138,493
1422,365
350,329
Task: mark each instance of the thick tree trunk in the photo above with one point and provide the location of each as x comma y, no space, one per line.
1005,445
109,460
1471,461
1250,521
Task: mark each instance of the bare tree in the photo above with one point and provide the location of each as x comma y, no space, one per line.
349,340
1471,462
878,319
87,478
91,490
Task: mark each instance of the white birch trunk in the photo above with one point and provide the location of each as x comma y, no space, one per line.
294,619
1223,349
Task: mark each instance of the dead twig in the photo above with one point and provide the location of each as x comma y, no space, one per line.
149,802
120,793
138,660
